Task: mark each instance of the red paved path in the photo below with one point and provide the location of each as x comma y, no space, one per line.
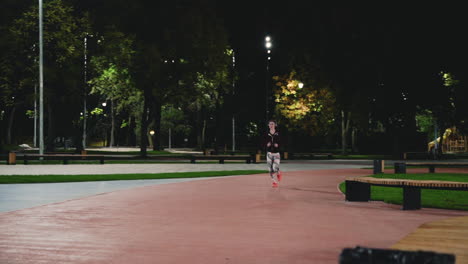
226,220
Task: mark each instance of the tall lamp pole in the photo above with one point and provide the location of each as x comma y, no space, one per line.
233,93
41,84
85,90
268,45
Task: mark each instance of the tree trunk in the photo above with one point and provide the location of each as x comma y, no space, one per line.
440,150
157,124
203,139
354,140
10,125
345,119
199,127
131,137
219,139
50,146
144,124
112,132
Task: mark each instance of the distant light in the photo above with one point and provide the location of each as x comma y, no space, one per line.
152,132
104,104
268,45
269,51
300,85
269,58
267,39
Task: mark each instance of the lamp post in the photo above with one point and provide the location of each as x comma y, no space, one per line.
234,94
85,90
268,45
41,84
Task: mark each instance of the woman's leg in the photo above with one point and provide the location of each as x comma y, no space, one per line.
270,163
275,166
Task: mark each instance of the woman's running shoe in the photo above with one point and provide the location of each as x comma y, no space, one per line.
279,175
274,185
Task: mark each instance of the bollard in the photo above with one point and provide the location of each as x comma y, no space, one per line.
257,157
12,158
400,167
379,166
84,153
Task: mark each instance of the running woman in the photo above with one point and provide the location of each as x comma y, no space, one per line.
272,143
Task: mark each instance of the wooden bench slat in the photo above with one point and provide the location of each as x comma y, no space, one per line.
222,158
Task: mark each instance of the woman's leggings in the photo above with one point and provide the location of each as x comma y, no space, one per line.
273,161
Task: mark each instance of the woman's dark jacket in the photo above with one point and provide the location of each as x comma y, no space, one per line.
272,138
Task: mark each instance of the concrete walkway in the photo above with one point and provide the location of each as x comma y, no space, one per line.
238,219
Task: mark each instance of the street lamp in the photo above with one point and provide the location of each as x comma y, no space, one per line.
300,85
85,90
41,84
151,138
268,46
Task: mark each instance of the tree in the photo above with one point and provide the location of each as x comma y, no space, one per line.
168,61
304,106
443,106
63,32
113,80
174,122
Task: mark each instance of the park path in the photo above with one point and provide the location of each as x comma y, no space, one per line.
223,220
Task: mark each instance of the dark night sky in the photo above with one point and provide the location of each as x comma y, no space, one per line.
415,34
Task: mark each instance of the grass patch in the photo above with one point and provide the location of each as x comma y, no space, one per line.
444,199
13,179
123,161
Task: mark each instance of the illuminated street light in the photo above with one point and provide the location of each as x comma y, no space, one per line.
300,85
152,132
268,46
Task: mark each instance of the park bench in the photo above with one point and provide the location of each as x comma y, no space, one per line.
400,167
358,189
222,158
311,155
64,157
